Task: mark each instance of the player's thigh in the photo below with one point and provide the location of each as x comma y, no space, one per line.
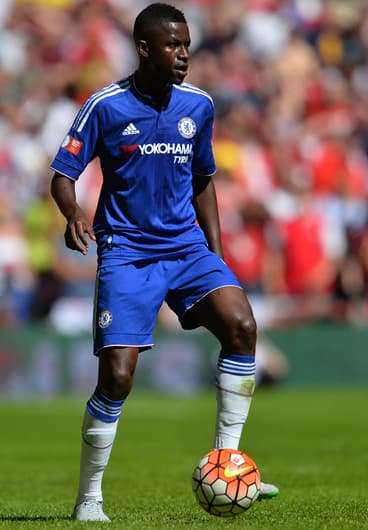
205,291
223,311
127,300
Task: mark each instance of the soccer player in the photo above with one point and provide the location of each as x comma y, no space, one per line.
157,232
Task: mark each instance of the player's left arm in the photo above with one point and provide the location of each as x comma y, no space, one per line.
205,205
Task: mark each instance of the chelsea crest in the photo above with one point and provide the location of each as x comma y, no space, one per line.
104,319
187,127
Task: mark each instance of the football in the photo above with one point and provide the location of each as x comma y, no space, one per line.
226,482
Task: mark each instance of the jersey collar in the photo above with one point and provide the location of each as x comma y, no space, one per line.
149,100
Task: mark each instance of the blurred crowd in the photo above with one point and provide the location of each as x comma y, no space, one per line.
289,79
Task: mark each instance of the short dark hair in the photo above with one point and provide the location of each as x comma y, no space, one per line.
154,15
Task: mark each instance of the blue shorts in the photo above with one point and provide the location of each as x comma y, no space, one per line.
129,296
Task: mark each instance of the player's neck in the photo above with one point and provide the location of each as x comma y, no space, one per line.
152,89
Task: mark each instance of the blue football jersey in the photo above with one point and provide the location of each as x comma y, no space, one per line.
148,155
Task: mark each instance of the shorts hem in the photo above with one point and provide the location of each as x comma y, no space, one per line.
141,347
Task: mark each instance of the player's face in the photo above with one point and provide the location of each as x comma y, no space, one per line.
169,52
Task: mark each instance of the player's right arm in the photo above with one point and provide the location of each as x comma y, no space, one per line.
78,231
75,153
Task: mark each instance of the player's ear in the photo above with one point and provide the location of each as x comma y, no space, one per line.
142,48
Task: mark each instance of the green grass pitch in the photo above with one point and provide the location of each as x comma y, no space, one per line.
312,443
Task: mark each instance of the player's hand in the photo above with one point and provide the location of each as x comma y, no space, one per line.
79,233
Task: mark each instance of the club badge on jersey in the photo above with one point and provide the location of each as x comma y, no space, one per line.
187,127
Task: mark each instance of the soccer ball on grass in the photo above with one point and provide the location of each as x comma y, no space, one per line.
226,482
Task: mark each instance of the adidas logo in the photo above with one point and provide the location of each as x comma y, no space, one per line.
130,129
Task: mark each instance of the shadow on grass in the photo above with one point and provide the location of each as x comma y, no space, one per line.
34,518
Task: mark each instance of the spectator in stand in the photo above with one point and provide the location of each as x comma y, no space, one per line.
42,225
16,280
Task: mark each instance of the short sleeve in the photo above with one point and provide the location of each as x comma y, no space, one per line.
203,160
79,145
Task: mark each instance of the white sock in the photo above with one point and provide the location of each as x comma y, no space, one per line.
97,440
234,396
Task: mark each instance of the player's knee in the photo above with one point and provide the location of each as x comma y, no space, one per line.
243,333
247,328
122,382
116,372
118,383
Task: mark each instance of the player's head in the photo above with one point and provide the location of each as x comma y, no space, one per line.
154,16
162,39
